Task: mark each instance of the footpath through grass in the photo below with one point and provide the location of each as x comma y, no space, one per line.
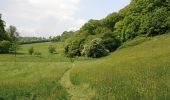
136,71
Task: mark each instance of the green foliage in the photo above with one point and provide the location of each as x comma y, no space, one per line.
74,49
3,35
130,27
31,51
90,26
52,49
14,48
30,40
55,38
140,17
13,37
65,35
95,49
4,46
110,41
155,23
111,20
13,34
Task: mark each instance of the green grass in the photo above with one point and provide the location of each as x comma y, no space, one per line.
140,72
23,55
29,77
32,80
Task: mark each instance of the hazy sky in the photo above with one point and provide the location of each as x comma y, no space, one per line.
52,17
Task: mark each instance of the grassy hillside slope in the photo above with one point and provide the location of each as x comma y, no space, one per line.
131,73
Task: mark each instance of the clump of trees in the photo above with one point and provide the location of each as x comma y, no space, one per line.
8,38
31,40
55,38
139,18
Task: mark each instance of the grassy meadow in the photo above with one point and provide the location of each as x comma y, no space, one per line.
134,72
139,70
30,77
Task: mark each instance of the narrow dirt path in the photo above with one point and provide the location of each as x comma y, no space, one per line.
83,92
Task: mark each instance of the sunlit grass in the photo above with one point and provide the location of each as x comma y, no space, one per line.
32,80
138,72
135,71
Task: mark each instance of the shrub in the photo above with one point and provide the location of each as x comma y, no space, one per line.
74,49
51,49
31,51
37,53
110,41
5,46
95,49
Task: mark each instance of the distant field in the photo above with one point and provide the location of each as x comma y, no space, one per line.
23,55
40,47
140,69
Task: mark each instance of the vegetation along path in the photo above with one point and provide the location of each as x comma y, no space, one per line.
83,92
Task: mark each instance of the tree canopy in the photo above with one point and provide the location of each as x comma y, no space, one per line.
140,17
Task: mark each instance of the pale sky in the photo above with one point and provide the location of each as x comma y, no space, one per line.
44,18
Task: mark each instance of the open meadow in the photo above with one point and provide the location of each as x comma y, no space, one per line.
132,72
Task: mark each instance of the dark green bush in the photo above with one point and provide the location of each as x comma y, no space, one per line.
4,46
110,41
31,51
52,49
74,49
95,49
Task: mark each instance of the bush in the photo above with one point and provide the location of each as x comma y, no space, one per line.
31,51
74,49
51,49
5,46
37,53
95,49
110,41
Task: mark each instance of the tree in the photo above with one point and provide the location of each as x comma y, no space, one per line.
65,35
51,49
95,49
3,35
14,35
31,51
55,38
111,20
90,26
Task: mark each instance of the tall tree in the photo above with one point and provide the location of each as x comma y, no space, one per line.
14,35
2,30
